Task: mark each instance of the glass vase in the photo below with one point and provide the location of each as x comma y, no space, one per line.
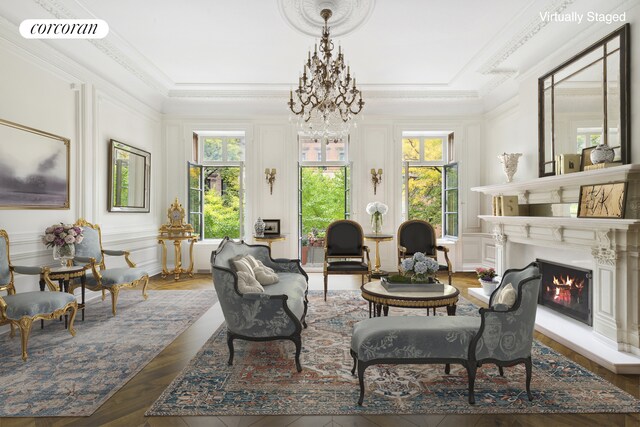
64,253
376,222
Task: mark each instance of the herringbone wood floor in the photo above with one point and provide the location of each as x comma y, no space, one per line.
128,405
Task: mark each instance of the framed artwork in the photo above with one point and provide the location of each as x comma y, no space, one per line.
602,200
129,178
586,157
34,168
271,227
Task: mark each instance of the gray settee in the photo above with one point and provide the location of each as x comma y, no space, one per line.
278,313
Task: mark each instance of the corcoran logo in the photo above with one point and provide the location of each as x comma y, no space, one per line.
64,29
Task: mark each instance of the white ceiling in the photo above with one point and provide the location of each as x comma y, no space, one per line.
208,50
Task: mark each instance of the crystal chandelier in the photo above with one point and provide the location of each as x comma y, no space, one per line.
326,98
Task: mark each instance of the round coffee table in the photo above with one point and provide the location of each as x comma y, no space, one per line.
380,299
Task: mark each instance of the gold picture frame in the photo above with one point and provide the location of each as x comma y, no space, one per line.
34,168
585,160
602,200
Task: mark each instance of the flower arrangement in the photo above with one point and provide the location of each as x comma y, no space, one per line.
62,234
486,274
419,267
377,210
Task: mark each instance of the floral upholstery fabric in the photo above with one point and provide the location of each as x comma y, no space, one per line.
32,303
116,276
259,315
414,337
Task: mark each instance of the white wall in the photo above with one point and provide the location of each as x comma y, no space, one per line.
375,143
89,112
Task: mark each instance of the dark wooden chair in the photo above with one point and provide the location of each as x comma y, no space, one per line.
419,236
345,251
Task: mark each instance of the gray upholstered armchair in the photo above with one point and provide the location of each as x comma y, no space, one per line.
277,314
90,252
21,309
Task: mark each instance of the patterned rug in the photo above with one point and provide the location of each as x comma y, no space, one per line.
73,376
263,379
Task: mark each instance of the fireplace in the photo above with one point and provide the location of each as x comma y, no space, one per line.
566,289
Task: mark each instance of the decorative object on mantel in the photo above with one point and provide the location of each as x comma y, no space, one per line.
326,98
486,277
602,153
62,238
602,166
376,178
602,200
377,210
258,227
568,163
270,176
509,164
176,230
507,206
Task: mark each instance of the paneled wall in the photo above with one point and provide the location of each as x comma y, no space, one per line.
89,112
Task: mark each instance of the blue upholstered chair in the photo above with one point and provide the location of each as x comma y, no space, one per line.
276,314
90,252
345,251
419,236
20,310
502,335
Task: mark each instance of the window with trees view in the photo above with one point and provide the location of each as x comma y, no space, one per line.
216,196
324,193
430,180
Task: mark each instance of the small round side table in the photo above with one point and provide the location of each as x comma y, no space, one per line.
269,239
377,237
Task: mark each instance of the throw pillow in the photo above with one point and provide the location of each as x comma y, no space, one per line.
265,275
247,284
242,265
506,296
253,262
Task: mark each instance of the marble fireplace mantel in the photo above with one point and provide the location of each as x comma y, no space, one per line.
610,247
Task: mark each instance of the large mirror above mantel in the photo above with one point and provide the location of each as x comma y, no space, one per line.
585,102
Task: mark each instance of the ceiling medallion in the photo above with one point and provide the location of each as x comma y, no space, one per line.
304,15
327,98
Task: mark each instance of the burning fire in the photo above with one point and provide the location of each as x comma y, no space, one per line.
566,290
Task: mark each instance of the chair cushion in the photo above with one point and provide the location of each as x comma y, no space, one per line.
30,304
117,276
407,337
248,284
347,266
506,295
292,285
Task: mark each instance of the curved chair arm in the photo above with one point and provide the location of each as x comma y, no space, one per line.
120,253
22,269
290,266
367,252
90,264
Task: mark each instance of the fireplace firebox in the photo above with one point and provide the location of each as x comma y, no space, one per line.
566,289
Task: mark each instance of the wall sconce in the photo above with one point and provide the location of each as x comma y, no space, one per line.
271,178
376,178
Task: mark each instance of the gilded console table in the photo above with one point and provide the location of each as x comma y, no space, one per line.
177,247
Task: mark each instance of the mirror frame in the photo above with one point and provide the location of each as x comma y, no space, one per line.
113,147
625,97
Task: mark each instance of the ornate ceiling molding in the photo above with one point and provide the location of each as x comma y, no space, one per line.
304,15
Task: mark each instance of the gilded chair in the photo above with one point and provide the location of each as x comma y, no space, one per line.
419,236
101,278
21,310
345,251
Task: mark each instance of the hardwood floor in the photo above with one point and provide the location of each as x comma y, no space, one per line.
127,406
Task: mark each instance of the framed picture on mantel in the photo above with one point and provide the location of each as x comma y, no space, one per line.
602,200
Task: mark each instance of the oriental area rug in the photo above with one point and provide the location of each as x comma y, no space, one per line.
263,379
73,376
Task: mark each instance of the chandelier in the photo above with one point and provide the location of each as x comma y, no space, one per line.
326,99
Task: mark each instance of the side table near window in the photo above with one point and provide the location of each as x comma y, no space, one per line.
376,237
177,231
269,239
64,276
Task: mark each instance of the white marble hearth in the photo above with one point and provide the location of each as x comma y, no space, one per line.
579,338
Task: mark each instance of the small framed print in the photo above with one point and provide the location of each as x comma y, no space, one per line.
271,227
586,157
602,200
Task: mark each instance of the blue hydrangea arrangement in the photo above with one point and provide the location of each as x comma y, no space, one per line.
419,267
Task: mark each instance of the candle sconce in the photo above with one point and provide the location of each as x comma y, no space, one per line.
270,176
376,178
